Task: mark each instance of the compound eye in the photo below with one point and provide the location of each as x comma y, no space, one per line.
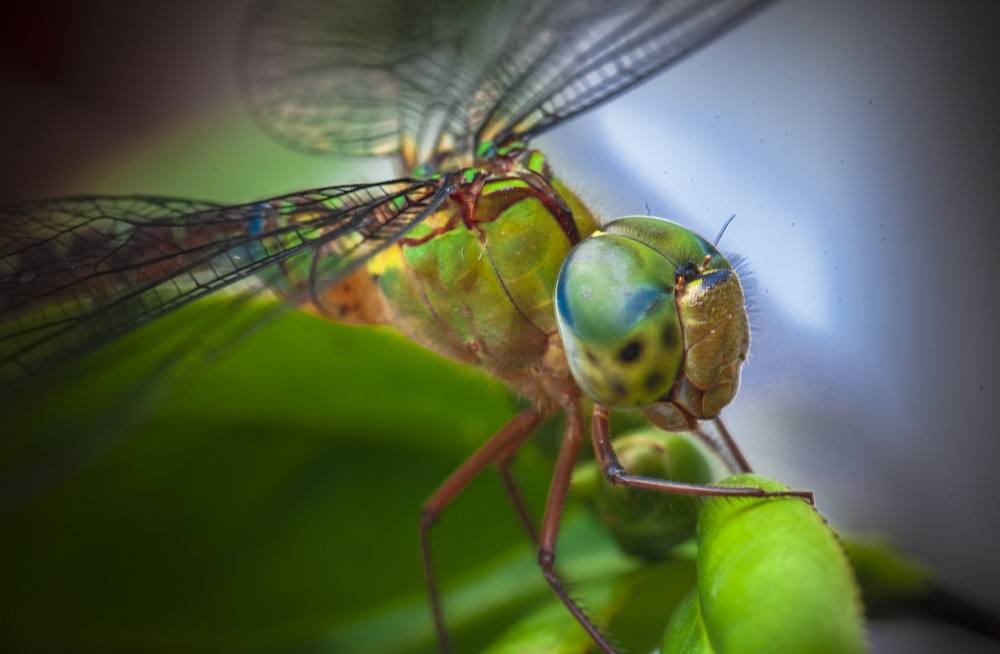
616,314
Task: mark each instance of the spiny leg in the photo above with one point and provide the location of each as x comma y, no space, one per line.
616,474
568,451
504,441
504,461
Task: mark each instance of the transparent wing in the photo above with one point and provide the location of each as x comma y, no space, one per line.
77,272
429,81
593,60
379,77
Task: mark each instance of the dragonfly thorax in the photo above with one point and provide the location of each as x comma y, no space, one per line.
475,281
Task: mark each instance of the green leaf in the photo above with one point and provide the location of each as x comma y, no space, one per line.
633,608
686,632
886,576
551,630
269,501
772,577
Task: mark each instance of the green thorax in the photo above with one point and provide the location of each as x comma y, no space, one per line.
478,286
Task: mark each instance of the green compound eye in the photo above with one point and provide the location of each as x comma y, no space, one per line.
629,340
687,253
616,314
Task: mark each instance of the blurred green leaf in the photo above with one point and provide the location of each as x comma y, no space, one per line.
885,575
552,630
268,499
633,607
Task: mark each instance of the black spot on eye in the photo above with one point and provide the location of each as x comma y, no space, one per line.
669,336
654,380
618,388
590,356
630,352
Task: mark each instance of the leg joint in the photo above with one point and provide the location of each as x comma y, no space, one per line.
614,472
428,517
546,559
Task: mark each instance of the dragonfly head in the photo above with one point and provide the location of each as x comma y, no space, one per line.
653,317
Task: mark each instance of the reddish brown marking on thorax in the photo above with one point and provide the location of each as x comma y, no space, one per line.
464,200
556,206
466,197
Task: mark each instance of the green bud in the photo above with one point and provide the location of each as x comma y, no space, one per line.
648,525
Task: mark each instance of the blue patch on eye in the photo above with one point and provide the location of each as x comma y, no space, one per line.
642,302
562,301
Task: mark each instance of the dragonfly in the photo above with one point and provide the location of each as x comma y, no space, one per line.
477,250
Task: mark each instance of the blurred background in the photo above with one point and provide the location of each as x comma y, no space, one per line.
858,144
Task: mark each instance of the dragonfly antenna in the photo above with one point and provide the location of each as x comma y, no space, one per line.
718,237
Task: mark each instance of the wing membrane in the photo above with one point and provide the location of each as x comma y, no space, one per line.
430,81
77,272
611,52
367,78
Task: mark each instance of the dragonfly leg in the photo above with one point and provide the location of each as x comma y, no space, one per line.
716,448
731,446
505,441
616,474
568,451
727,450
514,493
